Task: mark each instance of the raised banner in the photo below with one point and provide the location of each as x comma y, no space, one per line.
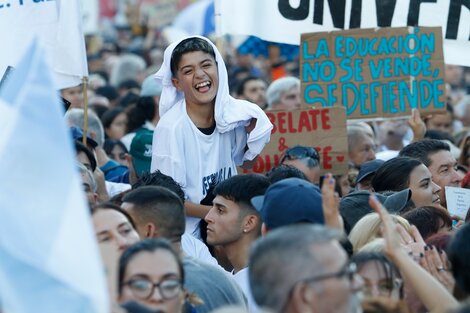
284,20
374,73
322,128
58,26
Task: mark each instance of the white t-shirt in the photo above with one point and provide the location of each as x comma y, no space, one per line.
193,159
197,249
241,278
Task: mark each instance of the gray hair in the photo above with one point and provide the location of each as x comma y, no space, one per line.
279,86
75,117
355,133
284,257
128,66
83,170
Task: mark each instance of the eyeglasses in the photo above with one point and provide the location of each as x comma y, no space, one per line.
349,270
301,152
384,288
143,288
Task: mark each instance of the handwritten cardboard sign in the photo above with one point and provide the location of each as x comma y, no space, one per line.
374,73
458,201
322,128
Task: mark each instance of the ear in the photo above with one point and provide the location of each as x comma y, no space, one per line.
250,222
150,231
303,298
176,83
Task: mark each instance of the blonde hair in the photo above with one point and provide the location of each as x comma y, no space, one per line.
368,228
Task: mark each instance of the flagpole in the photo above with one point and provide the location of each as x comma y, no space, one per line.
85,109
219,40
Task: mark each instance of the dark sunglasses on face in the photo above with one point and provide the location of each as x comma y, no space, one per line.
301,152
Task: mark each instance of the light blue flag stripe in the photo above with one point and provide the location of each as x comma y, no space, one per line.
49,261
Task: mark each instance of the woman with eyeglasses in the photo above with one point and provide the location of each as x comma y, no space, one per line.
151,273
381,277
383,287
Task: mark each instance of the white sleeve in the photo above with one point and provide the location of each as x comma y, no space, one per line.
167,154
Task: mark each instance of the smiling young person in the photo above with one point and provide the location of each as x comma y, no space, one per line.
203,133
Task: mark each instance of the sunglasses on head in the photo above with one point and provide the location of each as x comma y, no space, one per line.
300,152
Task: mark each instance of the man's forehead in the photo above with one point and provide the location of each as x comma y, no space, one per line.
441,158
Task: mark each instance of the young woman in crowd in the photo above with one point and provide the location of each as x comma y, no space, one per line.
114,123
402,172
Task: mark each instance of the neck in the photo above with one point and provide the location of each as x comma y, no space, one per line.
237,253
201,115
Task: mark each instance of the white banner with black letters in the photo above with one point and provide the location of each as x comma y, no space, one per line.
284,20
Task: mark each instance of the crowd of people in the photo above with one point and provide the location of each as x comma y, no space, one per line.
159,166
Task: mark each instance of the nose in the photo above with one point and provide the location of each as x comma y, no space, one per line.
199,72
371,155
121,242
156,296
208,218
456,178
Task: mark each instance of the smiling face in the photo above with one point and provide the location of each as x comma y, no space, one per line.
423,190
197,77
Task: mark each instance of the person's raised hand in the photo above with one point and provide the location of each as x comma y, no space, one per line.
393,241
435,262
330,203
417,125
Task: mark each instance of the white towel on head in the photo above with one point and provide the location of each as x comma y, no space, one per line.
230,113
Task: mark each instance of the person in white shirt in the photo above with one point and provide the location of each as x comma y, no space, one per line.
233,223
203,133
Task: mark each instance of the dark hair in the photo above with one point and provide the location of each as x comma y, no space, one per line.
146,245
109,116
422,150
427,219
284,171
394,174
438,134
157,178
114,207
390,270
189,45
108,91
243,82
439,240
139,113
129,99
241,188
160,206
129,84
109,144
459,254
80,147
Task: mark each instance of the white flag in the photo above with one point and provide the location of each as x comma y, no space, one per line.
57,24
49,259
